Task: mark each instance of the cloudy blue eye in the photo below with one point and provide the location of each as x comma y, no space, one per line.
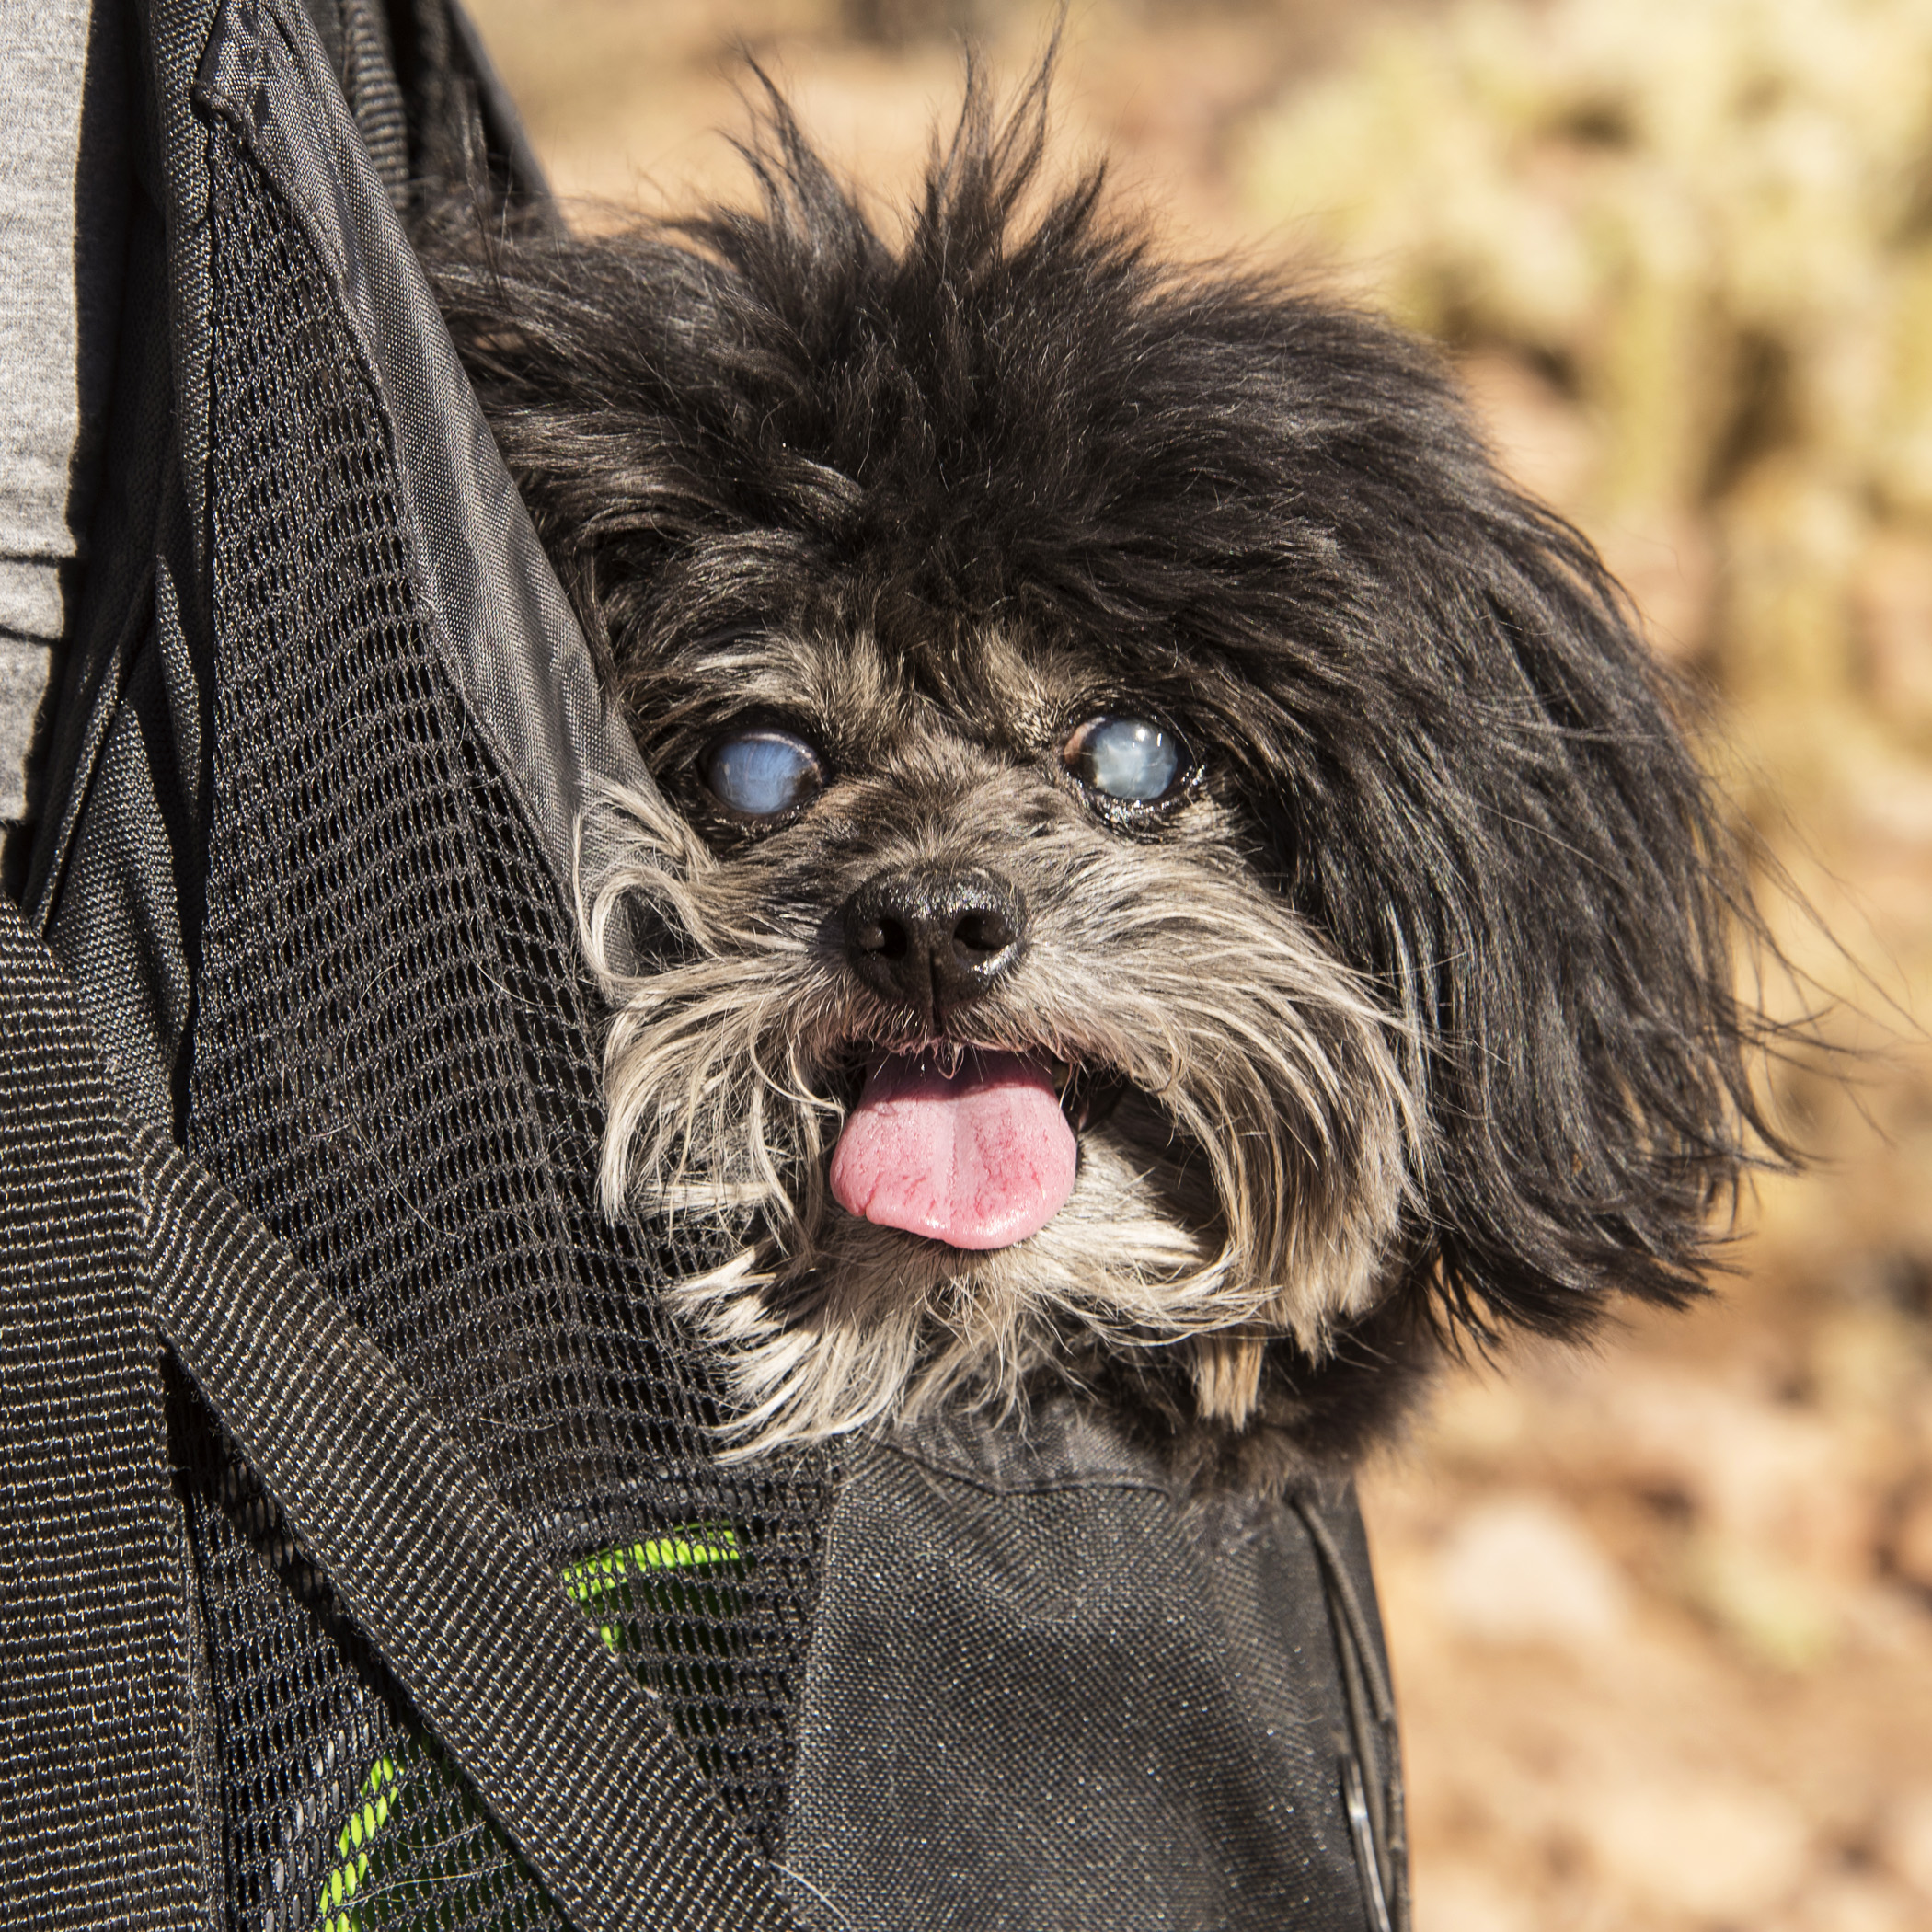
1125,758
762,772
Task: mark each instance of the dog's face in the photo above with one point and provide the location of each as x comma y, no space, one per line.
1160,855
992,1015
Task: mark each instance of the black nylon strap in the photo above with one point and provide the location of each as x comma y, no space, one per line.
97,1813
98,1822
584,1777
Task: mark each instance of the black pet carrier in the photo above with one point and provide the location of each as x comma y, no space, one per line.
363,1559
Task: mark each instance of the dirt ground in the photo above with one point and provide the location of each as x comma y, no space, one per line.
1661,1614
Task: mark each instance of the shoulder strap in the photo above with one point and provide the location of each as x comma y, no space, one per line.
584,1776
563,1746
97,1778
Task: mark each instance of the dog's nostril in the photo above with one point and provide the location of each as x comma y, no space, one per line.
984,933
884,937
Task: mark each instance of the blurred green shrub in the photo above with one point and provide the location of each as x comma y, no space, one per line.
1710,223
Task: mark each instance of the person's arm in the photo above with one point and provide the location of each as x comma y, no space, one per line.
64,103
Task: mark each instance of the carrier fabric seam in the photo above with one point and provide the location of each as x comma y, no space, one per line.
1346,1608
583,1775
1046,1486
430,603
259,53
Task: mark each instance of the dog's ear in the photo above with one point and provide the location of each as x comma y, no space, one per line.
1554,899
1479,782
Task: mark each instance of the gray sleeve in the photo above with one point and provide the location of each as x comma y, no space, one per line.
64,103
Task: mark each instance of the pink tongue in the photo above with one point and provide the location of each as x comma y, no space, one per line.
980,1158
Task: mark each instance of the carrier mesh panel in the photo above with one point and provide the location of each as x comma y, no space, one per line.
393,1066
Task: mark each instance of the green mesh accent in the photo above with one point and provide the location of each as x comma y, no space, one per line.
419,1849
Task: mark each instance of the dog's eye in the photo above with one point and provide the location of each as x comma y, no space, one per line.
762,772
1125,758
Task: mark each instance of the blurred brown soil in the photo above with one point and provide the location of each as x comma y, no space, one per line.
1661,1614
628,100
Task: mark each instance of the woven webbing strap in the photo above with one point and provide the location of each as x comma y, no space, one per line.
96,1808
563,1746
96,1794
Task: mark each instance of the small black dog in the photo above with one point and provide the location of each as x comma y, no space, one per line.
1182,879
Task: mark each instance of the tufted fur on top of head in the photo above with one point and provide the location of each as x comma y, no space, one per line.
1423,702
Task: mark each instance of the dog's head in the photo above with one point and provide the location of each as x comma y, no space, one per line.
1164,857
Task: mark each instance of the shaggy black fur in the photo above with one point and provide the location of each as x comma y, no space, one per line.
1417,695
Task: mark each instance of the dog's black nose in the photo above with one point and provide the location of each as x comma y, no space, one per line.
932,938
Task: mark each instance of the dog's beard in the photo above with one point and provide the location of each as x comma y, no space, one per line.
1248,1132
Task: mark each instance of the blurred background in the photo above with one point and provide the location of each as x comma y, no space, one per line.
1661,1614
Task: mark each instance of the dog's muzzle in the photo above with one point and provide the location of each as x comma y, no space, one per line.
951,1143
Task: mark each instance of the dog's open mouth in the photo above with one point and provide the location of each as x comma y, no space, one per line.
972,1147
